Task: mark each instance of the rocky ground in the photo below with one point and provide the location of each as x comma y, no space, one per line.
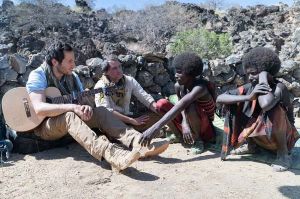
71,172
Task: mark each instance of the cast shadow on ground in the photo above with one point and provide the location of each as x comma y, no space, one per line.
76,152
132,173
135,174
166,160
73,150
258,158
292,192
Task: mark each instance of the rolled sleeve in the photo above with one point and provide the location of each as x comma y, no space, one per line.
144,97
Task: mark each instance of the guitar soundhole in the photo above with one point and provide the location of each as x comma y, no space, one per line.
26,107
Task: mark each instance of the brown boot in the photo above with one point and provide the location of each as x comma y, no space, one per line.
120,158
156,147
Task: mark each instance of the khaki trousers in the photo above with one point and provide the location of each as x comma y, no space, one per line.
56,127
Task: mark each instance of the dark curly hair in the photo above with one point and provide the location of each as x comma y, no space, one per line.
263,59
190,64
56,51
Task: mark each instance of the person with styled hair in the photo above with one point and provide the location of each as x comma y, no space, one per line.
193,114
260,112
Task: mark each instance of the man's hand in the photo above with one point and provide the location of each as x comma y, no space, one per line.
259,89
85,112
187,134
140,120
153,107
148,135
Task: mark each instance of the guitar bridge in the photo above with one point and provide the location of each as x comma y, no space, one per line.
26,107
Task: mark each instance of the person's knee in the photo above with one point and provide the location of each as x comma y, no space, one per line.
70,116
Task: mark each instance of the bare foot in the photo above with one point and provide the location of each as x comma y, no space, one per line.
198,147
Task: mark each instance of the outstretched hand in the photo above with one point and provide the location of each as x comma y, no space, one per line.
187,135
148,135
140,120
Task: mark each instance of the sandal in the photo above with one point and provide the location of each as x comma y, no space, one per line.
244,149
282,164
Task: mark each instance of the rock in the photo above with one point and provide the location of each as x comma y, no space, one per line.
83,71
296,36
154,57
94,62
115,49
140,60
288,67
296,73
168,89
88,48
162,79
129,64
35,60
224,78
261,11
83,4
31,43
3,76
155,68
18,63
4,48
234,59
154,89
145,78
219,66
11,75
127,59
296,89
4,62
7,4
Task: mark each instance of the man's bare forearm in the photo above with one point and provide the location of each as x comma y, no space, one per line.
122,117
52,110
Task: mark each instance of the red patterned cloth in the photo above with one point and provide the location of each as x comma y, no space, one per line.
205,111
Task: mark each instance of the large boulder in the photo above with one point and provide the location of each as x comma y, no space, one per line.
31,43
35,60
219,66
18,63
145,78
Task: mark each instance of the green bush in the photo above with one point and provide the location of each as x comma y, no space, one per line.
208,45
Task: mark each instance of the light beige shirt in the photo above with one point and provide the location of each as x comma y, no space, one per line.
131,87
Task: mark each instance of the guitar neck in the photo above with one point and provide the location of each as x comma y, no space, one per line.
75,97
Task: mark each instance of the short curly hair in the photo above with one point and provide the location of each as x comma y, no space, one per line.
190,64
263,59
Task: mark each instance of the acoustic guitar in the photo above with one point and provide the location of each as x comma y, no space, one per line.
19,113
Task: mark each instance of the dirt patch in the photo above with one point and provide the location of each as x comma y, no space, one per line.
71,172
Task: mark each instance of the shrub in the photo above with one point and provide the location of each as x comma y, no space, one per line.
206,44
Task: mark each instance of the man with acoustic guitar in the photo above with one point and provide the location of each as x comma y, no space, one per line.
78,120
